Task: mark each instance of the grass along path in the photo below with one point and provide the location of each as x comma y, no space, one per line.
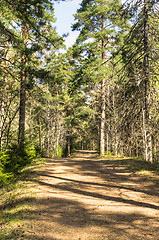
16,202
84,198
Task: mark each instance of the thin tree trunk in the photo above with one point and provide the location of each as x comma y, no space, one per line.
2,108
145,136
39,132
109,134
58,133
148,138
115,128
103,88
48,128
1,127
30,125
21,136
68,145
68,139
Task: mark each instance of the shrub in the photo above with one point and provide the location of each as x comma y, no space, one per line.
30,152
13,160
39,151
4,176
108,153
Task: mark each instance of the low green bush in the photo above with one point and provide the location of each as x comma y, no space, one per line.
13,160
39,151
4,177
108,153
30,152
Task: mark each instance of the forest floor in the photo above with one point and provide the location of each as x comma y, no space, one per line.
86,197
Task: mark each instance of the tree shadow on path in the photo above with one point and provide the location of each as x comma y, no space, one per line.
92,199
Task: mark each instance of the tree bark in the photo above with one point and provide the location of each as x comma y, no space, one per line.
103,88
39,132
1,127
147,129
21,136
3,97
48,128
115,128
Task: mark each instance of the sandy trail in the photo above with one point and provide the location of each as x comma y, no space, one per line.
87,198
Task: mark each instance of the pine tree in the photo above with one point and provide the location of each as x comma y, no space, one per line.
28,27
139,56
96,21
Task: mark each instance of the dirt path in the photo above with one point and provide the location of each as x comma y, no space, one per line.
87,198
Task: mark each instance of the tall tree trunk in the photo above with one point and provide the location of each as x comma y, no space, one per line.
30,124
48,128
103,88
147,130
2,123
39,132
3,99
115,127
21,136
109,133
58,131
68,131
68,145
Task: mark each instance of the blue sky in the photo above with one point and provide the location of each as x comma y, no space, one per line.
64,14
64,11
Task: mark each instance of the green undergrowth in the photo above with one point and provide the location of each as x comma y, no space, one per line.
108,153
16,202
146,169
13,160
